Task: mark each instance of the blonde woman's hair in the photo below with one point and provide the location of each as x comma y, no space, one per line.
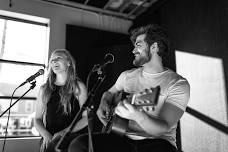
70,88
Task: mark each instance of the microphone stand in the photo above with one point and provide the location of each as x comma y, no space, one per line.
86,106
33,84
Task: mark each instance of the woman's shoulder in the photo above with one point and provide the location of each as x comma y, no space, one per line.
81,84
81,91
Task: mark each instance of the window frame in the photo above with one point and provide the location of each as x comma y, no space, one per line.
35,21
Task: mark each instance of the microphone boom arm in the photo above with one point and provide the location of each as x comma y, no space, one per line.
33,84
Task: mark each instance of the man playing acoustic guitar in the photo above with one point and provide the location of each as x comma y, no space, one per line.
157,123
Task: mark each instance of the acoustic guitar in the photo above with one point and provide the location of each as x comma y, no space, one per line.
116,124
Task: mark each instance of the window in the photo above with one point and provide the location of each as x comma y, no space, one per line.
23,51
208,96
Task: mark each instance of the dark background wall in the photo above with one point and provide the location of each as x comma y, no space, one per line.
89,46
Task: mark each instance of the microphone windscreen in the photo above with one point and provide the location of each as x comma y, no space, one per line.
41,71
109,58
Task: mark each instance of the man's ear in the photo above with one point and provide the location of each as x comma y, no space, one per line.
154,47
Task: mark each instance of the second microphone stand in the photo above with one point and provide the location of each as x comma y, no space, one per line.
88,105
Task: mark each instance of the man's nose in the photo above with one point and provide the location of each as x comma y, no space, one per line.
134,50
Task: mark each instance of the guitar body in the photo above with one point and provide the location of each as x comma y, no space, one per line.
119,125
116,123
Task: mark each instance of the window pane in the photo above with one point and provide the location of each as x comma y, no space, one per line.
21,122
24,42
1,34
12,75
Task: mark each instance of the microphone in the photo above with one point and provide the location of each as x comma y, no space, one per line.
31,78
109,58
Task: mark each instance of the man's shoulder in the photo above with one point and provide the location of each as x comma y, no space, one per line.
132,71
174,77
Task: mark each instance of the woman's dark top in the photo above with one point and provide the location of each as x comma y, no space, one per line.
56,120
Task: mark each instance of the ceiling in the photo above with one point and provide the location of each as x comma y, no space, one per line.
127,9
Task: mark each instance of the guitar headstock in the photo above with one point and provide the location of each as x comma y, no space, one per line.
149,97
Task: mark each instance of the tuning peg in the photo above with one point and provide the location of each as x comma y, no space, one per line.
148,90
153,108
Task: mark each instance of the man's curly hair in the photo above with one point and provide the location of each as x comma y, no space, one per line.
154,33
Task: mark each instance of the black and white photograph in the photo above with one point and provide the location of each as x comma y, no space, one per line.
113,76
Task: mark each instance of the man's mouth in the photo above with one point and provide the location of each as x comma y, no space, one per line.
136,54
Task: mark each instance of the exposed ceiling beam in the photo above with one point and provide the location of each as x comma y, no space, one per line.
88,8
145,9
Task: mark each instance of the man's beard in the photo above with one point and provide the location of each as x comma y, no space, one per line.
142,59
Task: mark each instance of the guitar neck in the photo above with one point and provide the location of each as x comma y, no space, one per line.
143,134
143,105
